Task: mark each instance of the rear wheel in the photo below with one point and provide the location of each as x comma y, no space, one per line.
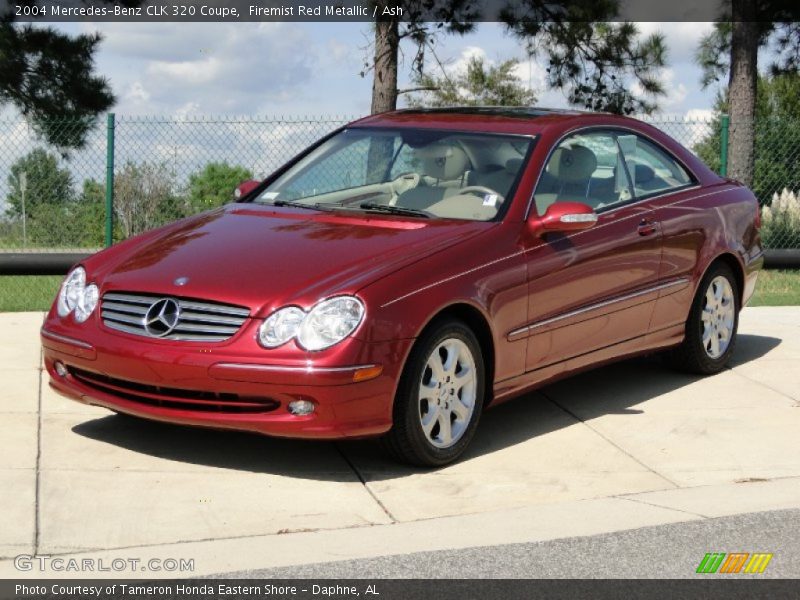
440,397
712,324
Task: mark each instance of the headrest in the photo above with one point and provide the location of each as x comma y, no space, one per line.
443,161
513,165
643,173
572,164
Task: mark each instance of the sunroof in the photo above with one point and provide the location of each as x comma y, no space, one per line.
522,112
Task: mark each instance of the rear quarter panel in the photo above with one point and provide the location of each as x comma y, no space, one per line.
699,226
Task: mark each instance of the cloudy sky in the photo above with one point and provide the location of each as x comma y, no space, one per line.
313,68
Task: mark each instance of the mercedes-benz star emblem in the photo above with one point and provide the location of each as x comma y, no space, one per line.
162,317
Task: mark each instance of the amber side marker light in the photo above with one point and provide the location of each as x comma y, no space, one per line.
367,373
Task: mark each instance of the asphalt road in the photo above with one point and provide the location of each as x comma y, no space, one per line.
664,551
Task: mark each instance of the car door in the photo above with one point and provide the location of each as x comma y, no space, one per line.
662,181
594,288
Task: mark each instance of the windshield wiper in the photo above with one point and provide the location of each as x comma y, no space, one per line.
294,204
395,210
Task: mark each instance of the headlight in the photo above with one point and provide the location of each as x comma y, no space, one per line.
329,322
326,324
87,303
76,296
71,291
280,327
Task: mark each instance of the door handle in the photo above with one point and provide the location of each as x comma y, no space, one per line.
647,227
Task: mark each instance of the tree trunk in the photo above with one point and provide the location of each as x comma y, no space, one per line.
384,82
742,90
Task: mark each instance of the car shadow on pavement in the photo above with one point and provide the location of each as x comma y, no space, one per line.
622,386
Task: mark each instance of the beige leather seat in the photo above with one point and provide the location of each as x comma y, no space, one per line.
567,176
439,161
498,179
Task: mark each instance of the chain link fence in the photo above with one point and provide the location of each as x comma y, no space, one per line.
56,200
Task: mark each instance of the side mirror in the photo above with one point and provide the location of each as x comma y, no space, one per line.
564,217
245,188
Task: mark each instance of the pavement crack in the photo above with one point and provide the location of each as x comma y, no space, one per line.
364,483
761,383
70,551
680,510
37,485
609,440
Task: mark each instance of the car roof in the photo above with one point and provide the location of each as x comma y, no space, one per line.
506,119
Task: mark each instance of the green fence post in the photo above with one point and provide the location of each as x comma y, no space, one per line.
110,179
724,125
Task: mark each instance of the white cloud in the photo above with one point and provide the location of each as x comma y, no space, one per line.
681,39
292,68
676,92
158,68
187,109
136,92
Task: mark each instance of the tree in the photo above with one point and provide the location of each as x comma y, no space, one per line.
49,77
423,21
776,135
144,198
732,49
38,179
89,214
601,65
478,85
54,216
214,185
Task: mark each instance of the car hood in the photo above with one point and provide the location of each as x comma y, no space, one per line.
264,257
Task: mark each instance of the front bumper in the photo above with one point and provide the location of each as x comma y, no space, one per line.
196,384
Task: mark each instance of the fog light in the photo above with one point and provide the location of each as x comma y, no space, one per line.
60,368
301,407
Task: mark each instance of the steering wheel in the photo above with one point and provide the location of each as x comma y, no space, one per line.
481,189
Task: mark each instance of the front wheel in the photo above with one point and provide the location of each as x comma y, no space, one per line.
712,324
440,397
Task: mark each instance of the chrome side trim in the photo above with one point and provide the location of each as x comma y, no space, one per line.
66,340
291,369
527,329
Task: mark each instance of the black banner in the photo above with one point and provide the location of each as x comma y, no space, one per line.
357,10
398,589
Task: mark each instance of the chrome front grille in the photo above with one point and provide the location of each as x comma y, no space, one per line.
182,319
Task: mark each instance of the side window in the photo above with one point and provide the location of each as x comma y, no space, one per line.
586,167
650,167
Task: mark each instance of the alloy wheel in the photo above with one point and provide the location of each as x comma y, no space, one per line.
718,317
447,393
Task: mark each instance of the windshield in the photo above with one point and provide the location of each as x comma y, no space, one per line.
414,172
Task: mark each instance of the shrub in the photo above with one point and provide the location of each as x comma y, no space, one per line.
780,222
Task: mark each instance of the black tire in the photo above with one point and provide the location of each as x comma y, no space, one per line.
691,356
406,441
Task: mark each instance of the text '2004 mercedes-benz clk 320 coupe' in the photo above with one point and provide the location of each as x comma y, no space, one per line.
410,270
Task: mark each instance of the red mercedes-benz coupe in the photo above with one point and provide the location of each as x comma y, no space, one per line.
410,270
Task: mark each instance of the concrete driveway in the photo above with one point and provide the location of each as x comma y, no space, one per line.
625,446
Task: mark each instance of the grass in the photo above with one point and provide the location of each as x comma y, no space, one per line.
23,292
777,288
28,292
